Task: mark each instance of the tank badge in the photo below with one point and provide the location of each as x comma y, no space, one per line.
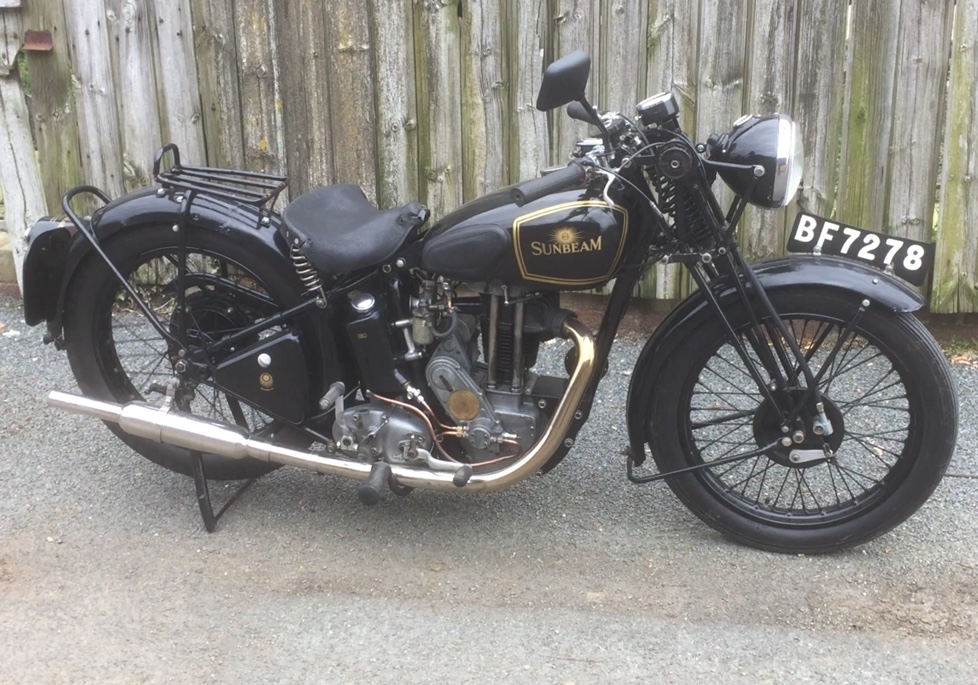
266,381
575,243
565,240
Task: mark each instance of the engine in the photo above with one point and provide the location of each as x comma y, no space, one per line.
485,412
492,421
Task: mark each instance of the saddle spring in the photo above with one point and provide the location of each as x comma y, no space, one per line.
307,273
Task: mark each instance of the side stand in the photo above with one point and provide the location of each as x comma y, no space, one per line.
204,495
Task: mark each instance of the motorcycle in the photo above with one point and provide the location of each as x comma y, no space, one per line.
794,404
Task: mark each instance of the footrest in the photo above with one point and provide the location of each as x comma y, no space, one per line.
370,491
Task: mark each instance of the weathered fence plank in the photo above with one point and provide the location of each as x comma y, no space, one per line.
770,54
672,37
623,44
721,66
306,81
20,181
55,119
484,98
955,283
11,38
395,102
869,112
721,73
528,26
95,95
130,30
918,106
217,74
351,88
176,77
261,114
818,99
436,43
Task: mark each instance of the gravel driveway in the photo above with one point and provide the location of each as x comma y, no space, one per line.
107,576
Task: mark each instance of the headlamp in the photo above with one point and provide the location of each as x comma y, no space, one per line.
761,159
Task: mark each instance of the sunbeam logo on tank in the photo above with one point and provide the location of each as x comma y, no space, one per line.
565,240
577,243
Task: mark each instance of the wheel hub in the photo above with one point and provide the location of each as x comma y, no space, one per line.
797,445
210,315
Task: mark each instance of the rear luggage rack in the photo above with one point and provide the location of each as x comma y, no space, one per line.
248,187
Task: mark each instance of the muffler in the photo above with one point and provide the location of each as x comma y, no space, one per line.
164,425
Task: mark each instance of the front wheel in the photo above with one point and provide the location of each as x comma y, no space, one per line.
887,392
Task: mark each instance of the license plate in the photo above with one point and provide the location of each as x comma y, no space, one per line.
909,259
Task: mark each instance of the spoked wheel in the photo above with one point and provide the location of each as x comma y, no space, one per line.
117,355
887,393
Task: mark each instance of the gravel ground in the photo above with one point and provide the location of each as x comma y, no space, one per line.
107,576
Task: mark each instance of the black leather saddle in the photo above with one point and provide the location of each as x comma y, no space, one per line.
338,229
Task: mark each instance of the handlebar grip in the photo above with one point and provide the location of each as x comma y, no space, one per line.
574,174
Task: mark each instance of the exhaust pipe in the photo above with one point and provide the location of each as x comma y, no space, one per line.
226,440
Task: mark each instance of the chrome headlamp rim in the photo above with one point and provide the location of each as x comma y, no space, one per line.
788,162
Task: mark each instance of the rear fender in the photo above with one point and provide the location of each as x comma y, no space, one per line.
812,273
48,244
57,248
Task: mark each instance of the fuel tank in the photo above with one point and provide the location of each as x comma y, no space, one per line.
564,241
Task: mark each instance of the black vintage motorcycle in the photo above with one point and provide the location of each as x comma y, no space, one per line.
795,404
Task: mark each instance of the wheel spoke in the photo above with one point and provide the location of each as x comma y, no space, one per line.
879,435
845,480
857,476
236,413
722,419
871,449
838,365
781,488
822,332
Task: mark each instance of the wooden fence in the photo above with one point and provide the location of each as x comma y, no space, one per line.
432,99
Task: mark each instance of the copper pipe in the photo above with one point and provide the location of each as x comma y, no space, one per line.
431,429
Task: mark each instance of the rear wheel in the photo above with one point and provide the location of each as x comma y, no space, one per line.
887,393
117,355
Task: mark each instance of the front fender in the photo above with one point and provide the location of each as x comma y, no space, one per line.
57,248
813,273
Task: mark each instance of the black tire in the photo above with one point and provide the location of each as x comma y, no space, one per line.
888,393
115,353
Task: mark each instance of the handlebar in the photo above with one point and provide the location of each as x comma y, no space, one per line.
571,176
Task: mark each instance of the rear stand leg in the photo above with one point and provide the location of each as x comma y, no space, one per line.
204,495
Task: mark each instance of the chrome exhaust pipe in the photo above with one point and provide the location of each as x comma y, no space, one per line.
226,440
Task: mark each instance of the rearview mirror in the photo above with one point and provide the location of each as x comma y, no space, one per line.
564,81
